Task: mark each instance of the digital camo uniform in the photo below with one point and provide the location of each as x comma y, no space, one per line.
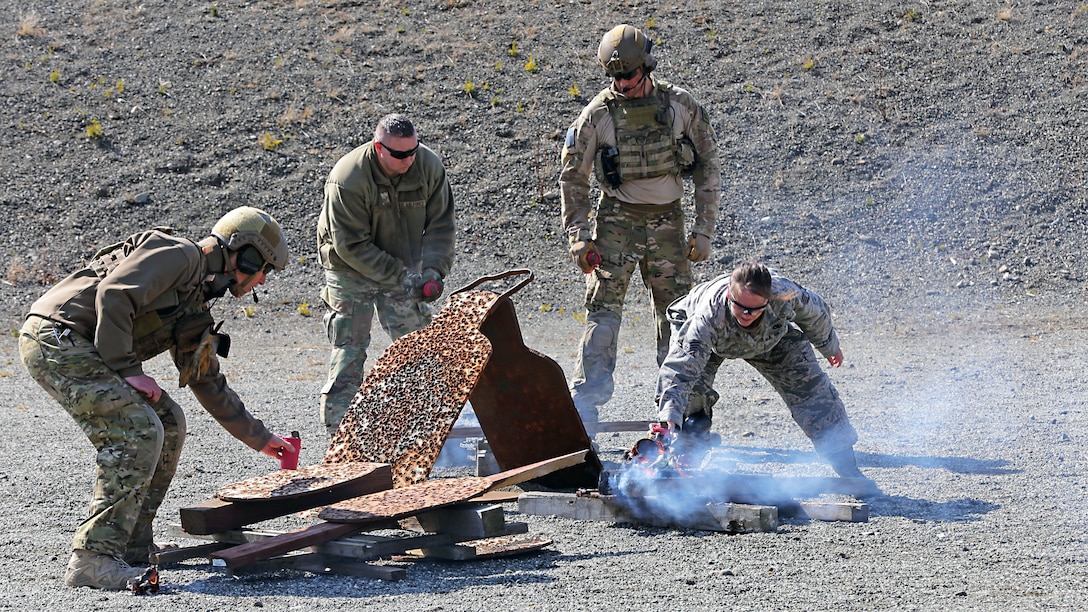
640,221
779,346
146,296
371,228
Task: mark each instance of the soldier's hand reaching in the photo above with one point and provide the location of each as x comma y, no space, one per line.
585,254
698,247
275,443
836,359
145,385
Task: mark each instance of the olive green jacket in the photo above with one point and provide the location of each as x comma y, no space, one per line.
376,226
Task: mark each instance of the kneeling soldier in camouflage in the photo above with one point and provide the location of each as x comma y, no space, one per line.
772,323
85,340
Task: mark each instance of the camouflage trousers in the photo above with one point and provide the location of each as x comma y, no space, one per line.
793,370
352,302
627,238
138,443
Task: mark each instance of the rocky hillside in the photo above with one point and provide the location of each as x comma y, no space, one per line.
894,156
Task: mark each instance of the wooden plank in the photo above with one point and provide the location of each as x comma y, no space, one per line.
216,516
756,489
851,512
374,546
591,428
177,555
251,552
321,533
497,497
745,518
535,470
607,508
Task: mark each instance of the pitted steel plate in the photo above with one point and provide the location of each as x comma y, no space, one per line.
406,501
292,483
410,399
505,546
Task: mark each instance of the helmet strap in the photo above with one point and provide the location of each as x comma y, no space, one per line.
220,273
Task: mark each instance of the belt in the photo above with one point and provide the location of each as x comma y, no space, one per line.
649,209
60,330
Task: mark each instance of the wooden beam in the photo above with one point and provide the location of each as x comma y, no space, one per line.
497,497
591,428
731,518
851,512
534,470
757,489
177,555
368,546
252,552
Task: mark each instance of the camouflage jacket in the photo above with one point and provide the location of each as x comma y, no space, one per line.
376,226
158,273
703,323
595,128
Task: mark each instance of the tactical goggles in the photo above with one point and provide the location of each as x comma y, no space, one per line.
399,154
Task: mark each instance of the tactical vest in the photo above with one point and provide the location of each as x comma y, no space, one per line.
645,144
172,320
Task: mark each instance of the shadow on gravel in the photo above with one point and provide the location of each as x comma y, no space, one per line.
428,575
921,510
958,465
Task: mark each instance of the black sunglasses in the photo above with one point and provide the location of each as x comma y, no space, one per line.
746,309
626,76
399,154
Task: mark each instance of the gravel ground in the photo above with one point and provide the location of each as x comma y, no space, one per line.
920,165
974,431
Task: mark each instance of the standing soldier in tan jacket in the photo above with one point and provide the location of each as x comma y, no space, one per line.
85,341
640,137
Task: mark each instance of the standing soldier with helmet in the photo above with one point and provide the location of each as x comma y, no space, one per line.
85,340
385,239
640,137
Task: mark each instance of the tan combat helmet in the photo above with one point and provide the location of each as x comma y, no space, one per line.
252,226
623,49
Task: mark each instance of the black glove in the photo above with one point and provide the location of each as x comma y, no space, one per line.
413,284
432,285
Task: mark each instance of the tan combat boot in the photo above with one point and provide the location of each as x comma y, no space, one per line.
98,570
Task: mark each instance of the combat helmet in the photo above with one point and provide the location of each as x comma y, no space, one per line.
623,49
246,225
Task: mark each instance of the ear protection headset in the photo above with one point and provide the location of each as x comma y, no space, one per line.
250,260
